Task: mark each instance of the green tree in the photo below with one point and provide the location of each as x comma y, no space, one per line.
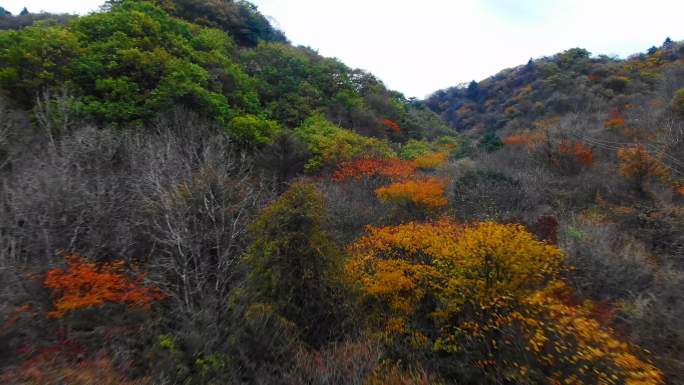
678,102
490,142
294,264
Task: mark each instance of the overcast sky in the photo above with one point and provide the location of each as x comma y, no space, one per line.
420,46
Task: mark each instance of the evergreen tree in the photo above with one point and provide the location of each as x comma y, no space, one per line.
293,262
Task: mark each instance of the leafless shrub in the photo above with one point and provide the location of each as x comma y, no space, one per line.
350,363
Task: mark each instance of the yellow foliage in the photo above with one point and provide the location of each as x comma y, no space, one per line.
430,160
493,299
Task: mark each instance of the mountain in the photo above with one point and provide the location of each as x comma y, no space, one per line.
188,198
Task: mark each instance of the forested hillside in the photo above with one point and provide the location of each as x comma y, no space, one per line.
188,198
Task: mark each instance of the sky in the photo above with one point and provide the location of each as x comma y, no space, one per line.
419,46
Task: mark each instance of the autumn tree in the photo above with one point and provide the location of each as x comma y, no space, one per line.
293,263
392,168
640,167
427,194
485,304
430,160
87,284
571,157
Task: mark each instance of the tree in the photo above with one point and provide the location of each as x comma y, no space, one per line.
678,102
24,12
392,168
490,142
86,284
639,166
293,263
485,304
473,90
427,194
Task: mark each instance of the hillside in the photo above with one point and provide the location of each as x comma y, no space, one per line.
188,198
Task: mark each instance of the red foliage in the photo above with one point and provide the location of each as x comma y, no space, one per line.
85,284
546,229
578,151
395,169
392,125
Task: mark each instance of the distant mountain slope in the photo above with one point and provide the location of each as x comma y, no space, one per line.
571,81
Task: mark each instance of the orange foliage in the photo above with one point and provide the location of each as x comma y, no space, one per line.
639,165
531,139
427,193
392,125
680,190
615,119
392,168
578,151
430,160
53,368
86,284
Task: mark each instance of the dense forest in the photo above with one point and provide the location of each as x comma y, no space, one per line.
188,198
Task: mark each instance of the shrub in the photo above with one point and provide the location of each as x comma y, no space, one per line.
329,144
490,142
368,167
85,284
427,193
571,157
430,160
487,195
638,165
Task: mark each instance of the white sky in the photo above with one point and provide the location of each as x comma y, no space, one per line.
418,47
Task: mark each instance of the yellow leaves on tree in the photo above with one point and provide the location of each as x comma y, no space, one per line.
399,264
426,193
487,296
492,262
430,160
568,337
85,284
638,165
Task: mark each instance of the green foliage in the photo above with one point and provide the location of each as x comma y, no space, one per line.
330,144
239,18
36,58
414,148
678,102
490,142
129,64
294,264
261,130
